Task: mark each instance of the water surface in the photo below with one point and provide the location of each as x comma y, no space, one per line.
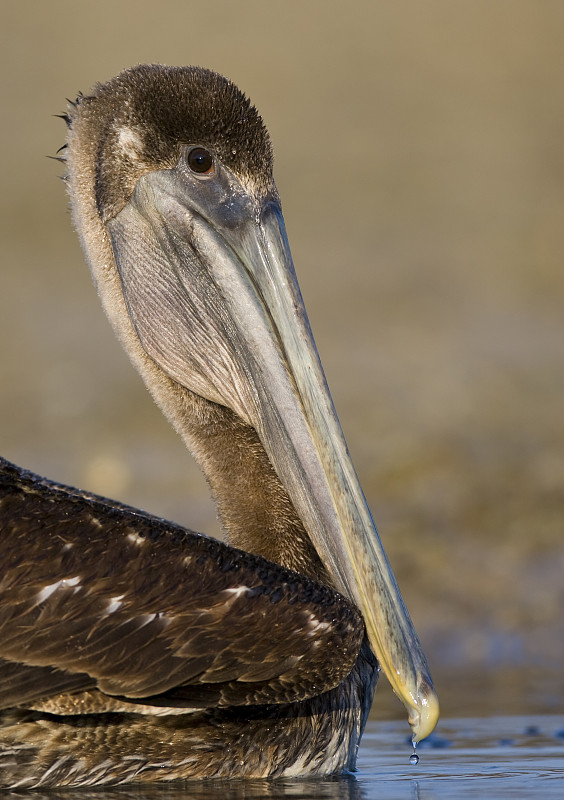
490,757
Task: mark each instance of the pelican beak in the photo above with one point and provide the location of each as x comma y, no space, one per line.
223,316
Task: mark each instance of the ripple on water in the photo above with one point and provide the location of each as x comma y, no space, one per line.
494,757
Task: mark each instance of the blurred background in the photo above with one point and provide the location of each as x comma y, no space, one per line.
420,159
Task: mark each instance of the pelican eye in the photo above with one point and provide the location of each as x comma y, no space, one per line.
200,160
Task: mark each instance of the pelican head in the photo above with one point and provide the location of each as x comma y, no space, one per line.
170,177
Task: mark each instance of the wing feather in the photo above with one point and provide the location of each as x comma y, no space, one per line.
96,594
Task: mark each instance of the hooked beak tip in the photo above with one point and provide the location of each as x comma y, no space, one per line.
424,714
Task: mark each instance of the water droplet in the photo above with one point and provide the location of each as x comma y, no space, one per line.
414,759
233,151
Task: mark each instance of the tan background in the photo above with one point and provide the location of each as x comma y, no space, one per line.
420,158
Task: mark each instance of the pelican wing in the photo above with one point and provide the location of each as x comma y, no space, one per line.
96,594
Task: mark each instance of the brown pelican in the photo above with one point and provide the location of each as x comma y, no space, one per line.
132,649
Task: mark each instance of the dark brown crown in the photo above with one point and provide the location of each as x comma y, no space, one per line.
138,121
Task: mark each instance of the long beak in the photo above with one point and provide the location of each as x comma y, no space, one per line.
223,316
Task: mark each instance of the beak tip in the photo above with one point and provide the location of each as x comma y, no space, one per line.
424,716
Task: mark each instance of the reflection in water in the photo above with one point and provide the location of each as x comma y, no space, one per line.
493,757
339,788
